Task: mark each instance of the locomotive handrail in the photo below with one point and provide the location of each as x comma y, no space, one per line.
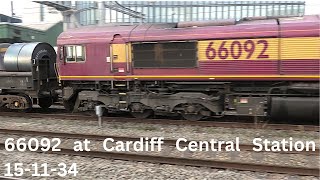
127,57
56,70
111,59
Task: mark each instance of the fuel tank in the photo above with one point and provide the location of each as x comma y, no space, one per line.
295,108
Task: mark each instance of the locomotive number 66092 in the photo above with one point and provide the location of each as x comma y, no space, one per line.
237,49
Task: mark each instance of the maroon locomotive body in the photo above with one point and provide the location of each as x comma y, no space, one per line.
249,67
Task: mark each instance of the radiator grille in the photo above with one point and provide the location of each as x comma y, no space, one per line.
165,55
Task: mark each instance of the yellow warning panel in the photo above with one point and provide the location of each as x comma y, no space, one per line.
121,52
300,48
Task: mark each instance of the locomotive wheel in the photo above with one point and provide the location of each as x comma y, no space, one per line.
142,115
46,102
192,117
192,112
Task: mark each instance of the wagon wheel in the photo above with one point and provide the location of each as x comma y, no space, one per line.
142,115
192,117
29,102
45,103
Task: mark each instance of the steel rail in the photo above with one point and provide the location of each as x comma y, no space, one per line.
168,142
9,178
191,162
70,116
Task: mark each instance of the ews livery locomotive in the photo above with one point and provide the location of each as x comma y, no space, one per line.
253,67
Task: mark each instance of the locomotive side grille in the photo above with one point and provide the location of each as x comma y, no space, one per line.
165,55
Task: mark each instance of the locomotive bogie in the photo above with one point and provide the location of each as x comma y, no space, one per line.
158,103
197,100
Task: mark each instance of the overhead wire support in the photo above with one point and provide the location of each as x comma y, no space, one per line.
114,5
58,6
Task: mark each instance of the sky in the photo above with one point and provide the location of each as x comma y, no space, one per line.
25,9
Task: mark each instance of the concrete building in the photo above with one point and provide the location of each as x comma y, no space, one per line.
15,32
5,18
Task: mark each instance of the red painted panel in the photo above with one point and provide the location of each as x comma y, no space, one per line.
307,26
292,67
120,69
166,71
297,27
95,63
240,67
209,32
93,34
117,39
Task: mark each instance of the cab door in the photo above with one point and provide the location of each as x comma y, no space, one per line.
119,57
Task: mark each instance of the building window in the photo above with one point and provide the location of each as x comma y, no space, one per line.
75,53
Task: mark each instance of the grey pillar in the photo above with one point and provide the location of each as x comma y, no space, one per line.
102,13
70,20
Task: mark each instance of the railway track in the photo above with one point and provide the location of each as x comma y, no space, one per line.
191,162
69,116
9,178
164,159
168,142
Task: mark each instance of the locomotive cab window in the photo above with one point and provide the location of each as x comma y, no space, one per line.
75,53
165,55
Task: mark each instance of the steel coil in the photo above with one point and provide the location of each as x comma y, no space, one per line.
20,57
3,49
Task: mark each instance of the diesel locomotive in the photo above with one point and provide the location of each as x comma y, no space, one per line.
262,67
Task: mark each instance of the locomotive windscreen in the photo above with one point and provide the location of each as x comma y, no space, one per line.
166,55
